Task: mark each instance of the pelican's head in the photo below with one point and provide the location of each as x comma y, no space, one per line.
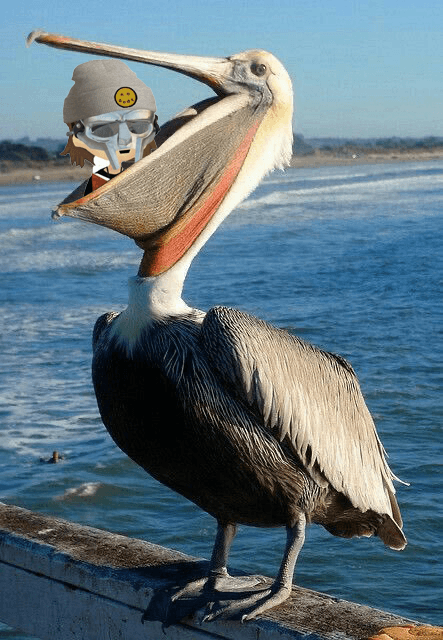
210,156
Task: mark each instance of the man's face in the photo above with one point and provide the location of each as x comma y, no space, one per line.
118,136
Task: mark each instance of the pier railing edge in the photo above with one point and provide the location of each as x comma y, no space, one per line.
59,579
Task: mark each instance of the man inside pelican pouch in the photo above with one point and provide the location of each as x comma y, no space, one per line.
111,118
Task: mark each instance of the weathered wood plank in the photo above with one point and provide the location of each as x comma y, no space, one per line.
96,585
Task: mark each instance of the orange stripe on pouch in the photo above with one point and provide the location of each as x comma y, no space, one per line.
177,241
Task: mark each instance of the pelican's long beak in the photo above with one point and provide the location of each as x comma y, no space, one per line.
212,71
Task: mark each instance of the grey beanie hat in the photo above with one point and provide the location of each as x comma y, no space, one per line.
103,86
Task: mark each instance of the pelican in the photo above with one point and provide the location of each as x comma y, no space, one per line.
252,424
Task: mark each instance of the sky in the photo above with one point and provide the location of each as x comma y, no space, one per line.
360,68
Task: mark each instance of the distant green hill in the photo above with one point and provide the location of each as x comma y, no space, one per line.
19,153
365,145
343,146
301,146
16,155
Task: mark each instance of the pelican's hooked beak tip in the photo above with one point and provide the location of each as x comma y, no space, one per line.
34,35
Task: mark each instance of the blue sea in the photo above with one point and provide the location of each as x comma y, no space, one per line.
349,258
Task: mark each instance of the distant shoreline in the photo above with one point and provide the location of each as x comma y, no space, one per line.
318,159
321,158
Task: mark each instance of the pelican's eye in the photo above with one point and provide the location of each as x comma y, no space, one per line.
258,69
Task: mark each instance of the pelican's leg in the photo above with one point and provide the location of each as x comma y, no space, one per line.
281,589
214,592
170,608
217,572
218,576
218,579
254,605
220,553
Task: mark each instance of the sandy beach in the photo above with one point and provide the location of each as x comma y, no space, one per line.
44,174
317,159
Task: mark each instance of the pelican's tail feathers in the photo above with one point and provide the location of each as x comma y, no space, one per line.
391,534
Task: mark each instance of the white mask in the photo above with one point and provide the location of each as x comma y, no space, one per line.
119,130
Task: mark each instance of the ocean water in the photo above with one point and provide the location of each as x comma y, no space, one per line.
349,258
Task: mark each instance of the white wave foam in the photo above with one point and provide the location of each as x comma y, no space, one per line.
296,175
85,261
85,490
37,197
346,191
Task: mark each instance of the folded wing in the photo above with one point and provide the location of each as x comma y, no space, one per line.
308,398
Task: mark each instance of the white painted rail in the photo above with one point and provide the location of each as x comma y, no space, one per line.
64,581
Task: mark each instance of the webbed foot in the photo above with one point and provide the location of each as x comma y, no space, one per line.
247,606
212,595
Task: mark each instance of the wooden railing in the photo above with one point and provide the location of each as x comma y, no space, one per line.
64,581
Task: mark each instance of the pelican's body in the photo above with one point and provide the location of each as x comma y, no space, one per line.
171,393
197,439
252,424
